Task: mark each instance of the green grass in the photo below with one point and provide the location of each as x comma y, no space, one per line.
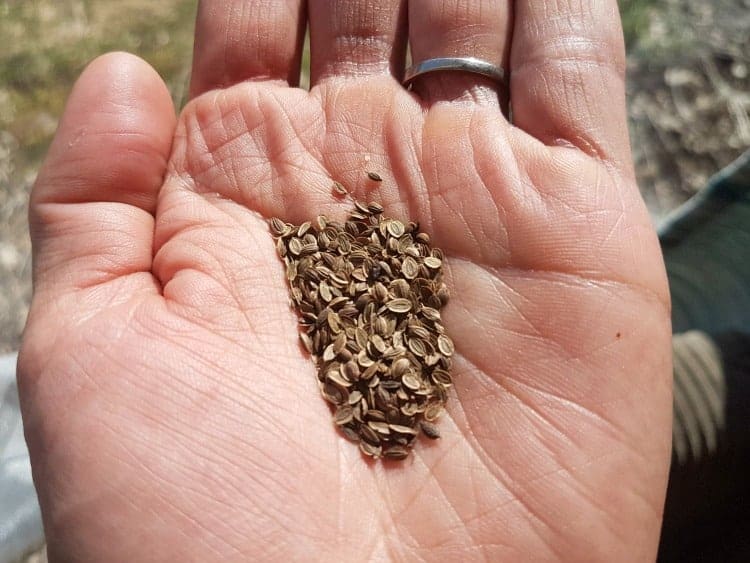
47,43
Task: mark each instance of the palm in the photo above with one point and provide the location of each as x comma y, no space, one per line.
209,414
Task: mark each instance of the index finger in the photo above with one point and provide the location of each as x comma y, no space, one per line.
567,76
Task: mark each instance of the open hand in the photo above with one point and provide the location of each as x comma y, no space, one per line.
169,409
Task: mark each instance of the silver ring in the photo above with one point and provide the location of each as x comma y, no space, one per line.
465,64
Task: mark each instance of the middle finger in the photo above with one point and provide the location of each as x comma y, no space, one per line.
356,38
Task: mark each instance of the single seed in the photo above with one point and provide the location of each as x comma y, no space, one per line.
396,228
445,345
430,430
396,452
409,268
374,176
432,262
339,189
399,305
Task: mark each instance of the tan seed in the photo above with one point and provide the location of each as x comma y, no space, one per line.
409,268
374,176
445,345
344,415
400,429
433,411
432,262
399,367
399,305
339,189
396,228
411,381
370,449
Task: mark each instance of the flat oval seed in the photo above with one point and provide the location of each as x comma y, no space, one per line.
399,367
442,377
374,176
369,435
295,246
379,427
370,449
278,227
339,189
445,345
306,342
399,305
411,381
396,452
431,314
433,411
432,262
343,415
429,430
374,208
400,429
409,268
396,228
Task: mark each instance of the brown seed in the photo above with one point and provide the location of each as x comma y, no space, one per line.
374,176
409,268
325,292
399,367
344,415
431,314
396,228
399,305
374,208
400,429
430,430
295,246
336,377
396,452
445,345
432,262
411,381
369,292
442,377
351,370
379,427
417,347
370,449
369,435
339,189
278,227
433,411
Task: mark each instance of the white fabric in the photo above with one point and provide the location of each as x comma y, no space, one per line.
20,519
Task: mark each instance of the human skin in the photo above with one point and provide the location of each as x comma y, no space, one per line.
170,412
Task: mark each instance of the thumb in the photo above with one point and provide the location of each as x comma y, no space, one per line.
91,210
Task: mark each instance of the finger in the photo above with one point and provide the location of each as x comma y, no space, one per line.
456,28
238,40
567,75
91,209
356,38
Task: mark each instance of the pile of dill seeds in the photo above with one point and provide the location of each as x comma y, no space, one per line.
368,293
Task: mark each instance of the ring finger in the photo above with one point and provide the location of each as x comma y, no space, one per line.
457,28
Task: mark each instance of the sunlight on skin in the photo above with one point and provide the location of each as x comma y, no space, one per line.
170,409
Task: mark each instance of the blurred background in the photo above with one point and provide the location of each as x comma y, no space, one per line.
688,98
